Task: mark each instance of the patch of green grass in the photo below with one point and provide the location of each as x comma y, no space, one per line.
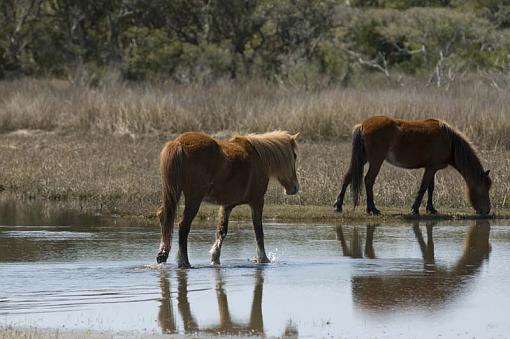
310,213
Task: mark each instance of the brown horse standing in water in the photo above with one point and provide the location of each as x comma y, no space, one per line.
227,173
431,144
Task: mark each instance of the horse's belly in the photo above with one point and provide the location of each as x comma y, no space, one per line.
211,200
223,198
402,161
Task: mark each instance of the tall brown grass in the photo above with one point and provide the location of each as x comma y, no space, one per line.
121,174
99,146
118,108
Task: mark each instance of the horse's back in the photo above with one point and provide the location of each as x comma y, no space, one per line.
197,144
202,156
379,133
216,169
384,124
430,125
407,143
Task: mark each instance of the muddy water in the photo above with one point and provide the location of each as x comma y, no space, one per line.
419,280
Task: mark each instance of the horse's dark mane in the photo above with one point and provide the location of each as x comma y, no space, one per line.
465,158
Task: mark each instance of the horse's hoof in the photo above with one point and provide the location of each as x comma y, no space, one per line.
258,260
415,212
338,207
184,265
373,211
162,257
431,210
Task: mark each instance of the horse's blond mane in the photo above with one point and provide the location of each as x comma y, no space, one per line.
276,150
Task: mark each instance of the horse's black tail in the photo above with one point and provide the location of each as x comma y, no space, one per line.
358,159
171,167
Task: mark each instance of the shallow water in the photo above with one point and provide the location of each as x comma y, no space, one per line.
408,280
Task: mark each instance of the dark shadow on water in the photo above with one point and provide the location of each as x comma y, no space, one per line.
434,287
16,212
354,249
36,231
226,325
166,318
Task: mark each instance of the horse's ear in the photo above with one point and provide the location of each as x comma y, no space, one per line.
294,136
487,173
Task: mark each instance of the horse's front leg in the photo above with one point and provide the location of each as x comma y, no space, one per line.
369,242
428,177
221,233
256,215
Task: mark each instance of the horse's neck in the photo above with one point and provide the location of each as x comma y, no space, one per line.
270,159
471,174
470,166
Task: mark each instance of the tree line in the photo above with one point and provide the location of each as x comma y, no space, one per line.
277,40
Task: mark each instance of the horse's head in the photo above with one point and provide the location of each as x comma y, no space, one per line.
476,244
478,194
287,176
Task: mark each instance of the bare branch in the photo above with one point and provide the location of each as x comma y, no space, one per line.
374,63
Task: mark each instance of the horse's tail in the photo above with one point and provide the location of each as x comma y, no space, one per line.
171,167
358,159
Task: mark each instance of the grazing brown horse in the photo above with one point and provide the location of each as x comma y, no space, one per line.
227,173
431,144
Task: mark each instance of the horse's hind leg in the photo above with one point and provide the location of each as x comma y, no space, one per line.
189,323
373,170
340,199
166,236
192,204
428,177
430,192
256,214
221,233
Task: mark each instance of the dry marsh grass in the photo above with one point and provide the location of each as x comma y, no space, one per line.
118,108
119,175
98,147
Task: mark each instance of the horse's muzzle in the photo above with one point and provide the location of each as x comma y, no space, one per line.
293,190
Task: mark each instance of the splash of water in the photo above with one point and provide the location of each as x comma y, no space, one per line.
273,256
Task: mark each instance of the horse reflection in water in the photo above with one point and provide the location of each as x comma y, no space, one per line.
354,250
226,325
435,286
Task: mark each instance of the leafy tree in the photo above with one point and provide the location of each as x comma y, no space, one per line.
17,21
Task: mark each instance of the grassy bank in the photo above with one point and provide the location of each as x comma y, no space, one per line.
119,175
97,148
